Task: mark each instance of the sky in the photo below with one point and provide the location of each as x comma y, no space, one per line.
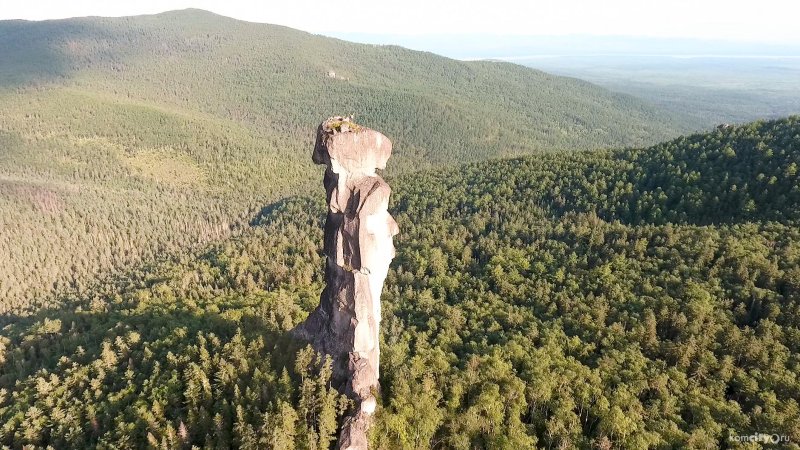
767,21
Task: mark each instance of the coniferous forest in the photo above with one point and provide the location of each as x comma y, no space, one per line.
563,289
129,138
616,299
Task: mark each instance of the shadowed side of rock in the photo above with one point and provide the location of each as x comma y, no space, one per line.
358,248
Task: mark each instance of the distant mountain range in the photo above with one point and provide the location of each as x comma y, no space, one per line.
482,46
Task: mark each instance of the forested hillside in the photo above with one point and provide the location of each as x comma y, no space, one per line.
615,299
128,138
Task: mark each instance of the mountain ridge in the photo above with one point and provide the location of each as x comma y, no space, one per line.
98,100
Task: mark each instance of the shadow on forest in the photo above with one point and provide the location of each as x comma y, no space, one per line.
265,212
41,52
146,301
40,341
264,216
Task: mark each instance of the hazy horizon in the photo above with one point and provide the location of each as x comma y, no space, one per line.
510,47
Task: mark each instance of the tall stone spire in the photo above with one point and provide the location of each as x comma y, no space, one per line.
358,248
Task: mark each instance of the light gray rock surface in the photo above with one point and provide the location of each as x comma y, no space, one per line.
358,248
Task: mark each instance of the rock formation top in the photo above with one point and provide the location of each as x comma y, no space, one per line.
357,149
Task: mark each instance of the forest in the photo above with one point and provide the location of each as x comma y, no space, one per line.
127,139
632,298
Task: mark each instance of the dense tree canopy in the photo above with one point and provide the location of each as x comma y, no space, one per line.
124,139
616,299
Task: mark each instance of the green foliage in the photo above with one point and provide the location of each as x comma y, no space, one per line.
533,302
132,139
170,375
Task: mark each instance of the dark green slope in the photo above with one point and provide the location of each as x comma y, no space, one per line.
526,307
129,138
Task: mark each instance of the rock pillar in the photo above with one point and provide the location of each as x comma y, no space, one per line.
358,248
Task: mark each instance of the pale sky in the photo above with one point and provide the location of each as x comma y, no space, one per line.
774,21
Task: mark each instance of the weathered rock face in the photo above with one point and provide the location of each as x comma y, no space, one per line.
358,246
